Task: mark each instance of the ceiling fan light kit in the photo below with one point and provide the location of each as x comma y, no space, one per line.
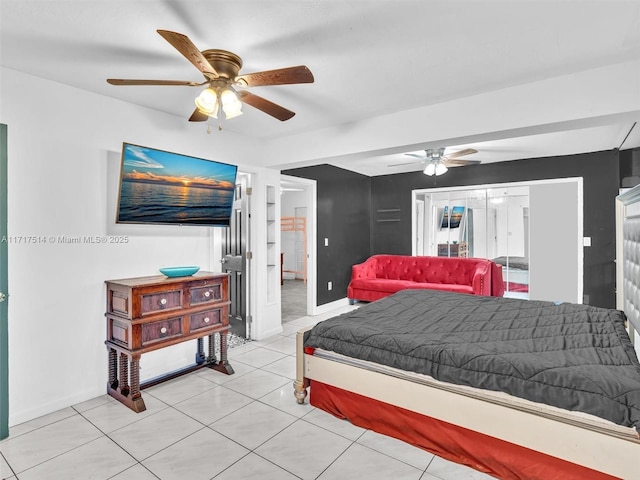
210,101
207,102
221,71
435,167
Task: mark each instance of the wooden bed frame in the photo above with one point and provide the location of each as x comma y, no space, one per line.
507,439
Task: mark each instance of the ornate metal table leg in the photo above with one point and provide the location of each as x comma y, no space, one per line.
113,368
136,396
120,387
211,359
124,375
200,358
223,365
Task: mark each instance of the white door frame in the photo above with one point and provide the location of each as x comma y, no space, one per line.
310,188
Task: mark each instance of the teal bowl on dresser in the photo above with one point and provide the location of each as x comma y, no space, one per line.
179,271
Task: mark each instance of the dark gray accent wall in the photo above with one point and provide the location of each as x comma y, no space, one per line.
343,199
600,173
384,226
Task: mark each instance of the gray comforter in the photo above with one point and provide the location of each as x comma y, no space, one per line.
575,357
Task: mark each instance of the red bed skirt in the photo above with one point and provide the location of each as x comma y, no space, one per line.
516,287
481,452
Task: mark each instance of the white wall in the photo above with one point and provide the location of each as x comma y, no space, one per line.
63,161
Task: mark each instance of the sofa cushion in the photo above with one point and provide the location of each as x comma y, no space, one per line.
380,284
392,286
446,287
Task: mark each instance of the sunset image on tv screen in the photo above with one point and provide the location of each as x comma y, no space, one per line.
169,188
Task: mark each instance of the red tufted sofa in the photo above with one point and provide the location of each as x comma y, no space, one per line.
382,275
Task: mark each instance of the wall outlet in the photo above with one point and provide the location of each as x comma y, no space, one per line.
586,241
326,242
329,285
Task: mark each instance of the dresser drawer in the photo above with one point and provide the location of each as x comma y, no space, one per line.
206,319
161,330
208,293
157,302
118,303
119,331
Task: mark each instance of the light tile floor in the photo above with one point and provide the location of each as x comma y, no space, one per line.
207,425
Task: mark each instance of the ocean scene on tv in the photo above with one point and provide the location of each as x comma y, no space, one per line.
168,188
456,217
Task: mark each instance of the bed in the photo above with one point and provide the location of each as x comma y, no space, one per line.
499,424
515,271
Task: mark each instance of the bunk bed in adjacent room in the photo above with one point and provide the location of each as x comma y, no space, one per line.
297,225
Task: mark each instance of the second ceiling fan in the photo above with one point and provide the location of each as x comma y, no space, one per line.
437,162
225,86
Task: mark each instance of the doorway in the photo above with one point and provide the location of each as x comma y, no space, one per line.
297,238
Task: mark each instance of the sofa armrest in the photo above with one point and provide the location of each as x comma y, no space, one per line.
366,269
481,282
497,282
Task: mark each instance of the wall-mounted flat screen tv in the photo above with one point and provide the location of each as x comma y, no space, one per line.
160,187
456,217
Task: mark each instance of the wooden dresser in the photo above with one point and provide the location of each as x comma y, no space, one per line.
149,313
453,249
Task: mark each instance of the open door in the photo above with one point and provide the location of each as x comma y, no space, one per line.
234,258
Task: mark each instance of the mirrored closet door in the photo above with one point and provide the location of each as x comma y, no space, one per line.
494,222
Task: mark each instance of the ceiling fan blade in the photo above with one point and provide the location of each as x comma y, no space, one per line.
454,162
422,157
461,153
186,47
282,76
266,106
198,116
120,81
403,164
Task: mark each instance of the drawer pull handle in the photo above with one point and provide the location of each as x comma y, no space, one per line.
207,294
206,320
163,330
163,301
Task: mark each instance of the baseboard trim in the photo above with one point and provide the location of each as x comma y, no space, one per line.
327,307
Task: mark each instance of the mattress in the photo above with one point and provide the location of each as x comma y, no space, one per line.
574,357
521,263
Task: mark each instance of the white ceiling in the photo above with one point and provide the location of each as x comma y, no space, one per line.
369,58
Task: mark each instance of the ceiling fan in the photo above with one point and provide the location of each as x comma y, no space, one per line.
224,90
437,162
